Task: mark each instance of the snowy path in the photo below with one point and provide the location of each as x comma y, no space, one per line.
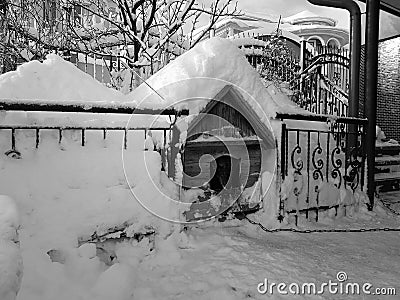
392,200
229,264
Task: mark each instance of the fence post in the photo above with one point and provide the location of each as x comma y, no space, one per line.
37,138
94,66
13,139
283,151
164,150
303,56
174,151
283,171
303,62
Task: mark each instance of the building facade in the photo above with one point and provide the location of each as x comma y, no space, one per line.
318,31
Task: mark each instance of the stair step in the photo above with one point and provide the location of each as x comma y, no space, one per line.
387,150
387,160
387,176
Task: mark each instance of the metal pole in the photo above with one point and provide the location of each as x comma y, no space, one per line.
355,48
174,152
303,49
371,90
84,107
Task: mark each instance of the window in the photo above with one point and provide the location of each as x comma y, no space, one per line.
78,16
333,44
316,43
49,11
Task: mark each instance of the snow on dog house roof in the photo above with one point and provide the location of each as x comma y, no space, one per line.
231,97
199,75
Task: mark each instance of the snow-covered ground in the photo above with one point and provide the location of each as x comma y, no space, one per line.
67,192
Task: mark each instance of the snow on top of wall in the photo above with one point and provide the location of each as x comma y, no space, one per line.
189,81
198,75
54,79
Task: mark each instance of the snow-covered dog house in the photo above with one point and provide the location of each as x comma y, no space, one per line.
226,147
231,124
235,123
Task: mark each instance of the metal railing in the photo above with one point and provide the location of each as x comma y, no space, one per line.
318,94
12,105
319,82
13,129
313,161
334,65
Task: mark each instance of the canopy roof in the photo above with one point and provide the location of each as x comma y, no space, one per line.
390,6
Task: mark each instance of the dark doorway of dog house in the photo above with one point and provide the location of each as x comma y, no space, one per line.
225,172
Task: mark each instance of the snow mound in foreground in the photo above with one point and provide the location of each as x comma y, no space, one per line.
54,79
65,193
9,218
199,74
10,256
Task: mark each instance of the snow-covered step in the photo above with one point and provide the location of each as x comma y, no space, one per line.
387,176
387,160
387,150
387,173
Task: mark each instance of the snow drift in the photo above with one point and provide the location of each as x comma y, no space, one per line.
189,81
54,79
11,268
196,76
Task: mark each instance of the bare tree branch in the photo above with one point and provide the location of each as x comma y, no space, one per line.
145,32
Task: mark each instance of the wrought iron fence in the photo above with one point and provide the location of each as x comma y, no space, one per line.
314,161
13,129
317,94
319,82
334,65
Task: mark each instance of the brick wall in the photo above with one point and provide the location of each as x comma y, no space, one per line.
388,112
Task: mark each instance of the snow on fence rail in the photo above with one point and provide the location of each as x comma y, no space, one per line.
318,94
11,105
84,107
83,130
317,165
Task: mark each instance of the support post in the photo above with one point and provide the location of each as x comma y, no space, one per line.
303,57
303,49
371,91
174,150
